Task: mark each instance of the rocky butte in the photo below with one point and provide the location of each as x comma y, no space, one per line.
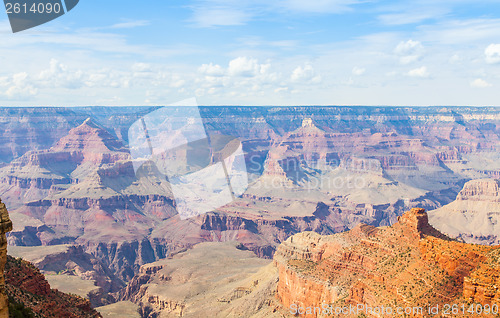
474,216
407,264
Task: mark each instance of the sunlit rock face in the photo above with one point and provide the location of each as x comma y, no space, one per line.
386,266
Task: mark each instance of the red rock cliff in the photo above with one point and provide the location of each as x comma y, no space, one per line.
5,226
408,264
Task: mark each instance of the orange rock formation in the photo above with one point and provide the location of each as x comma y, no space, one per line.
407,265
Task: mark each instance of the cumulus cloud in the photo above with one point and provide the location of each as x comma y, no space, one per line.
480,83
239,76
211,70
455,58
58,75
358,71
492,53
409,51
20,87
246,67
305,73
419,72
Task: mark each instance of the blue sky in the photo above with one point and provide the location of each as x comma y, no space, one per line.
285,52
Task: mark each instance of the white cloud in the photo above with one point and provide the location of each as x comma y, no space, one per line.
358,71
461,32
246,67
20,87
305,73
259,67
408,47
211,70
419,72
178,83
455,59
130,24
409,51
492,53
212,16
215,13
281,90
480,83
405,18
141,67
317,6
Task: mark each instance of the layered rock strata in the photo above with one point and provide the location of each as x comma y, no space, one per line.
408,264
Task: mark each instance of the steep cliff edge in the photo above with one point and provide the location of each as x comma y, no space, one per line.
408,264
25,291
5,226
28,291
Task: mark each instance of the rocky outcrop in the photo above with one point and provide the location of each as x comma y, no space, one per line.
5,226
483,285
408,264
74,261
29,292
25,291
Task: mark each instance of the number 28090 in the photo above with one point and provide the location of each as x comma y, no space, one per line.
35,8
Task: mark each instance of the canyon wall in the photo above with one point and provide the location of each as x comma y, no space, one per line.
74,181
5,226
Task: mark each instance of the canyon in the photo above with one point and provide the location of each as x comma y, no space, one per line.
407,265
73,191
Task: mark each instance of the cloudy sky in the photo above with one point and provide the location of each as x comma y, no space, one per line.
242,52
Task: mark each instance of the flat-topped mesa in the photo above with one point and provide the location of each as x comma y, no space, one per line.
487,190
415,225
474,216
5,226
